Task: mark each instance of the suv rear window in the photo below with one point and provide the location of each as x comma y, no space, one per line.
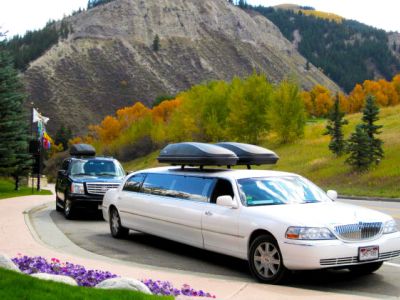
184,187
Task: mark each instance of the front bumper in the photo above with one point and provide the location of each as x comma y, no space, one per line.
86,201
309,255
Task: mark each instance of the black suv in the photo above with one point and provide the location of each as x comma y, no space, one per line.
84,178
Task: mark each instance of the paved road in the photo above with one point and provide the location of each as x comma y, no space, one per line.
93,234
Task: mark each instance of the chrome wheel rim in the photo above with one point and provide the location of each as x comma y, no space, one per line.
115,222
267,260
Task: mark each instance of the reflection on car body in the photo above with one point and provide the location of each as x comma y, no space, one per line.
277,221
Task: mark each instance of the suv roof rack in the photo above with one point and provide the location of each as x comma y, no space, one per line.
82,150
221,154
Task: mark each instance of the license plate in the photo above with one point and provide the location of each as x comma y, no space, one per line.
368,253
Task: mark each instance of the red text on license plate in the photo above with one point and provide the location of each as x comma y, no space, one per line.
368,253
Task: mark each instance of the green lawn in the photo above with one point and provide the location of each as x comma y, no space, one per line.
311,158
7,190
18,286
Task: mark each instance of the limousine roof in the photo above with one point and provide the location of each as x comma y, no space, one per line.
214,172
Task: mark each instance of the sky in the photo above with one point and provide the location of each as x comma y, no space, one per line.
18,16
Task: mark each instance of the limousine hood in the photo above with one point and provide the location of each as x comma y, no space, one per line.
320,214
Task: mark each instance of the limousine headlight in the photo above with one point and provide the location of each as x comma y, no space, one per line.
309,233
390,227
77,188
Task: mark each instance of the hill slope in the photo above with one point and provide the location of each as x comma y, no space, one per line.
109,62
349,52
311,158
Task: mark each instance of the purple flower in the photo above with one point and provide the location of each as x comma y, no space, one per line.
31,265
158,287
90,278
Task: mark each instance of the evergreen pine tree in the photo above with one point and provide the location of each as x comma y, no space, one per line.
359,149
14,157
156,43
370,116
334,129
62,136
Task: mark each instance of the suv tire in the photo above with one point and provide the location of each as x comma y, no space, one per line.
69,210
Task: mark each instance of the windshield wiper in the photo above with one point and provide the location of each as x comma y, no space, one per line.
309,201
106,174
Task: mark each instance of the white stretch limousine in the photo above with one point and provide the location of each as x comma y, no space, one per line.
277,221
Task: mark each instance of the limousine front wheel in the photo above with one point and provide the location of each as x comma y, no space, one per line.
265,260
117,231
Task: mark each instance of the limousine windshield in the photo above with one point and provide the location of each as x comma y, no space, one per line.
280,190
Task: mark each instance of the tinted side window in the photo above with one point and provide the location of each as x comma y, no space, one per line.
134,183
184,187
65,165
222,188
193,188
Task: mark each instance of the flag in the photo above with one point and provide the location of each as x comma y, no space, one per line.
46,141
37,117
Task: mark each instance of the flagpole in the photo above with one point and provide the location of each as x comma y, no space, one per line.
32,138
40,164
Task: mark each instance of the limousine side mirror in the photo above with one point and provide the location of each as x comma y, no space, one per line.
226,201
332,195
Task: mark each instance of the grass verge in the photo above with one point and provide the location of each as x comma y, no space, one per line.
7,190
19,286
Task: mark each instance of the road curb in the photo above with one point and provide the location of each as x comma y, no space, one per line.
364,198
71,248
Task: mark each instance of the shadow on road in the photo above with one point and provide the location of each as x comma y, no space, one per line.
91,232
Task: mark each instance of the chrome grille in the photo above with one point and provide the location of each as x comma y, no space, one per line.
354,259
100,188
360,231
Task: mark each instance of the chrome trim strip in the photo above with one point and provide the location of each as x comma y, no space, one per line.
180,224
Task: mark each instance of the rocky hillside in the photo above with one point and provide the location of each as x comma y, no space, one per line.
109,60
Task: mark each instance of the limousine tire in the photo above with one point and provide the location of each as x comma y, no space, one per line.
365,269
265,260
117,231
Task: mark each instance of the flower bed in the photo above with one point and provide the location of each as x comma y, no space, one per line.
90,278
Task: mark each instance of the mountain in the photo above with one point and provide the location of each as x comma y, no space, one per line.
347,51
134,50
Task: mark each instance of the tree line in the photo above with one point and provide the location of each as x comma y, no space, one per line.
34,43
247,110
319,100
251,110
344,50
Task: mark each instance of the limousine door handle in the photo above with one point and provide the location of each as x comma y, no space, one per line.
209,213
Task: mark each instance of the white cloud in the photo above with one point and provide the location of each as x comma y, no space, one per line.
18,16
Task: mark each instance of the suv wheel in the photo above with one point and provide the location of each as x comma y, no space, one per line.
265,260
68,209
58,205
117,231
